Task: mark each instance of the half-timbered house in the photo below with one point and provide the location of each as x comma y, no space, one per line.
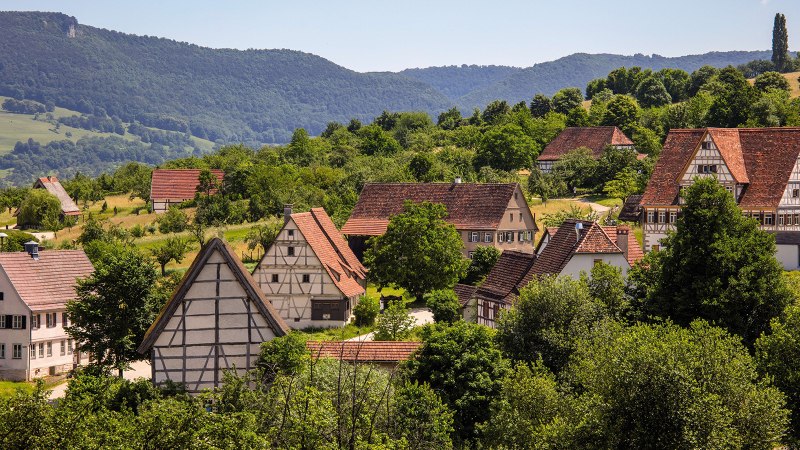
54,187
310,274
485,214
595,139
760,167
215,321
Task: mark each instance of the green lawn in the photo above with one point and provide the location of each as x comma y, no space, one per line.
335,334
8,388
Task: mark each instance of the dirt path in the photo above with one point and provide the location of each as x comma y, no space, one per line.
421,317
139,369
597,207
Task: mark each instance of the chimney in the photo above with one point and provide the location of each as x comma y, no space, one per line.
457,180
32,248
578,229
287,212
622,239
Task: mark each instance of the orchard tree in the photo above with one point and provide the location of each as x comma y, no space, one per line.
444,305
173,249
394,324
576,168
420,252
38,208
718,266
113,307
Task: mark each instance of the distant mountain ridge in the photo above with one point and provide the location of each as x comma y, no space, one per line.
261,96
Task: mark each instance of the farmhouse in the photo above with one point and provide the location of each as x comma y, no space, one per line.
490,214
760,167
574,247
385,354
53,186
309,273
216,320
595,139
174,186
34,290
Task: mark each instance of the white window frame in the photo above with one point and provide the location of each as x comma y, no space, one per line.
16,351
769,219
2,351
662,216
651,215
501,236
33,351
290,233
16,322
474,236
36,321
487,237
70,346
63,347
51,319
41,349
673,216
50,349
64,319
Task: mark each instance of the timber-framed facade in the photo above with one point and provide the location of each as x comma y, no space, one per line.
215,321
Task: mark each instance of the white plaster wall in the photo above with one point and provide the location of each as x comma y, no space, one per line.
585,261
788,256
12,304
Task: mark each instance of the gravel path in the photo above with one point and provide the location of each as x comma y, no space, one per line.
421,317
139,369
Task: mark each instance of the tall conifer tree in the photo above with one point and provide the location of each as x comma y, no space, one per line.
780,43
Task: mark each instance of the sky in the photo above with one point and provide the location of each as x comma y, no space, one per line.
377,35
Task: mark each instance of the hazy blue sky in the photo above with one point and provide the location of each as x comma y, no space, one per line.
367,35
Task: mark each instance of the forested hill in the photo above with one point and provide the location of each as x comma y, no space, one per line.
232,95
512,84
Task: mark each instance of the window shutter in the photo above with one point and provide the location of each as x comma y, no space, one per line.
9,318
23,321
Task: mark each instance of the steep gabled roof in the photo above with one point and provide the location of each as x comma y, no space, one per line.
178,183
502,281
594,138
50,281
363,351
470,206
760,158
567,241
635,252
332,250
53,186
631,209
244,278
464,292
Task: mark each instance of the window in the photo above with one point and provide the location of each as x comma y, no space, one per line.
511,217
781,219
662,217
2,351
530,235
795,194
306,278
673,216
521,236
36,320
18,322
473,236
16,351
63,348
706,145
69,346
51,320
290,233
64,320
510,236
768,219
290,251
274,277
3,323
41,349
327,310
33,351
470,255
650,216
487,237
501,237
49,349
2,297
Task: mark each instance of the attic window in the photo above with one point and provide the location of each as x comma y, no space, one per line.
291,233
306,278
290,251
274,277
706,145
707,168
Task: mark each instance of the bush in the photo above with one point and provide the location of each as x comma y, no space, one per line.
366,311
137,231
39,208
394,324
172,221
444,305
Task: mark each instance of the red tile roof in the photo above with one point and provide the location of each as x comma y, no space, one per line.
363,351
760,158
594,138
332,250
502,281
631,209
470,206
53,186
177,184
50,282
635,252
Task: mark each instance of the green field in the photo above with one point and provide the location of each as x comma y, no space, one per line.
21,127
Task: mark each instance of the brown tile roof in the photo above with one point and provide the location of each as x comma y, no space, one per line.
53,186
635,252
50,282
464,292
502,281
764,157
567,242
663,188
363,351
594,138
470,206
177,184
332,250
241,273
631,209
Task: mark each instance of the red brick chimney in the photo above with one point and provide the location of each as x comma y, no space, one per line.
622,238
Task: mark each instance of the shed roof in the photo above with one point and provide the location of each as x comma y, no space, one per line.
363,351
470,206
177,184
50,281
503,280
631,209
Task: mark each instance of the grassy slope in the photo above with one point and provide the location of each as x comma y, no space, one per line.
20,127
794,84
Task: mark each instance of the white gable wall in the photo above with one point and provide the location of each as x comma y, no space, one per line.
583,262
